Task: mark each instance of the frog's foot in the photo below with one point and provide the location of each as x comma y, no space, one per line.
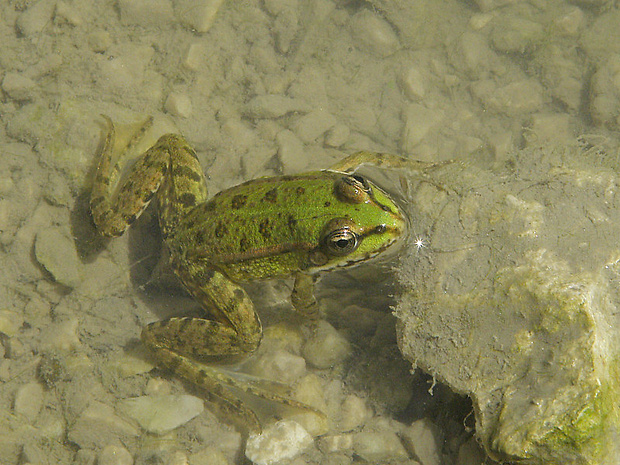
218,386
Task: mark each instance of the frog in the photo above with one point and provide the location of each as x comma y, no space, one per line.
282,226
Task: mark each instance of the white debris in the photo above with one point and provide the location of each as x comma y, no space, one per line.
281,441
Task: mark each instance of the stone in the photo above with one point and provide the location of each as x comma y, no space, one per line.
374,34
379,446
198,15
326,347
161,414
419,121
146,13
29,400
273,106
522,314
291,152
18,86
56,252
36,18
178,104
114,455
422,439
280,441
98,426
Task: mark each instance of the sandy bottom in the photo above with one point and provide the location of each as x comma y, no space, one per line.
258,88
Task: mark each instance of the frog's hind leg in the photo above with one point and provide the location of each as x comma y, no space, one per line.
115,203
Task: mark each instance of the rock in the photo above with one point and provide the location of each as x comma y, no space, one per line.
423,439
146,13
56,252
353,413
273,106
291,152
279,365
198,15
161,414
515,34
374,34
98,426
28,401
281,441
337,135
514,302
114,455
605,93
513,99
36,18
313,125
326,347
419,121
178,104
379,446
18,86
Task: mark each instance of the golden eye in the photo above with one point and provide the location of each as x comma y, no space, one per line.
352,189
341,241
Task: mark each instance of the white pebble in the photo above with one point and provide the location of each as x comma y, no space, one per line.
412,83
55,251
291,152
194,56
337,136
114,455
62,335
571,22
379,446
326,347
146,13
310,392
10,322
29,400
98,425
18,86
422,439
353,413
419,121
160,414
513,99
313,125
281,441
178,104
273,106
513,34
336,443
36,18
374,34
68,13
198,15
279,365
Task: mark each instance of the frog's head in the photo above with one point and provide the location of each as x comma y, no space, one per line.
370,221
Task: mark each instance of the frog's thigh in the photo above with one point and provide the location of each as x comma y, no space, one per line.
302,297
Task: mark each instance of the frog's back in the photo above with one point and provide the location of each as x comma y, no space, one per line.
261,228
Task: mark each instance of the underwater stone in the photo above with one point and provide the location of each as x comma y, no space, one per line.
160,414
280,441
514,301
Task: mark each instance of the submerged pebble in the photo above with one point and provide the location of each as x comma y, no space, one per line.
281,441
160,414
327,347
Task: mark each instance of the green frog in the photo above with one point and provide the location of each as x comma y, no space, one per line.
281,226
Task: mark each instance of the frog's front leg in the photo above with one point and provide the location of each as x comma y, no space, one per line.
302,297
382,160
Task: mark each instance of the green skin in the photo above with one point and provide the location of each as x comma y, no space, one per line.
270,227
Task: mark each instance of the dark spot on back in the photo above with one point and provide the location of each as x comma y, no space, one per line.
292,222
243,244
221,229
264,228
239,201
300,190
187,199
183,171
271,196
327,204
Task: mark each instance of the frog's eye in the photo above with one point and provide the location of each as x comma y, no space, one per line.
341,242
353,189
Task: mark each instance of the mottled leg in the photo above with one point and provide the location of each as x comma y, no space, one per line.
115,204
383,160
302,297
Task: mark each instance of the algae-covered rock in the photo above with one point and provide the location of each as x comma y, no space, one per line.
511,295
